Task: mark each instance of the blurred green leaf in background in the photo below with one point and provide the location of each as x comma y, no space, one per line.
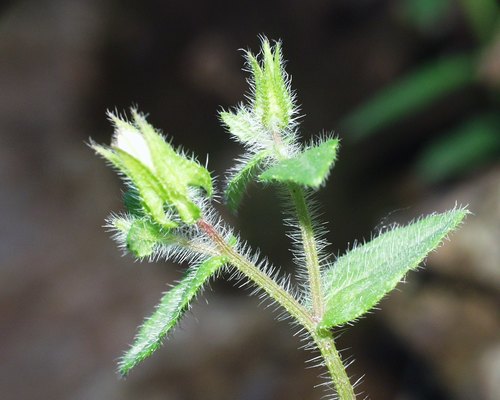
471,143
425,14
410,94
473,140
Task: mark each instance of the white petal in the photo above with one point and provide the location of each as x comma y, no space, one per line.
130,140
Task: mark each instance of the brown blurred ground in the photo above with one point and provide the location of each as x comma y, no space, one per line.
69,304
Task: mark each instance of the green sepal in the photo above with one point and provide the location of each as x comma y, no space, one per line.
242,125
173,170
238,183
358,280
143,236
273,100
310,168
139,235
121,224
152,194
132,202
172,307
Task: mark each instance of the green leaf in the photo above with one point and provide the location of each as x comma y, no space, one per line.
310,168
358,280
469,145
411,94
172,307
237,185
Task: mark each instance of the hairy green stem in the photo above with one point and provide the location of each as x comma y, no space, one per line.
323,339
333,362
310,249
271,287
307,233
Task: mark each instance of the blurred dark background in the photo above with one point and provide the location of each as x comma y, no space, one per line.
412,89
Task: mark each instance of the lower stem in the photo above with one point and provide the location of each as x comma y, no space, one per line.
333,362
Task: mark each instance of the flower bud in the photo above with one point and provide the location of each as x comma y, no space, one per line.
159,174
